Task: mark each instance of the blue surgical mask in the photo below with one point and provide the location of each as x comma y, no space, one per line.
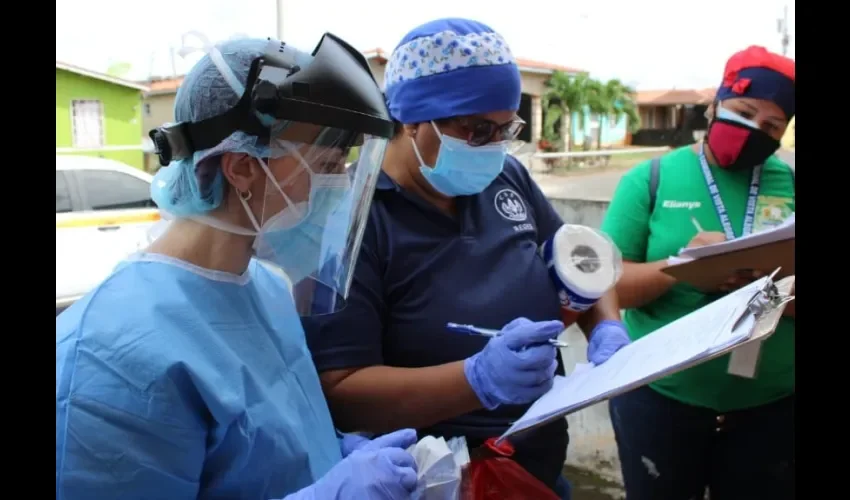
304,236
462,169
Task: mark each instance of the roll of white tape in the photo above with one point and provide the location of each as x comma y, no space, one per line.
583,263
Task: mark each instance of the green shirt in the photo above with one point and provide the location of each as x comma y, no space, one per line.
643,237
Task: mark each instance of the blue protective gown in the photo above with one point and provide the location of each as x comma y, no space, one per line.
175,382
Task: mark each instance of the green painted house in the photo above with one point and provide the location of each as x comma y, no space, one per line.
98,115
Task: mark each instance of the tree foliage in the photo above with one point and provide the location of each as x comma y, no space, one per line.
576,95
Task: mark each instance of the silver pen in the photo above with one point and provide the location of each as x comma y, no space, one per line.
488,332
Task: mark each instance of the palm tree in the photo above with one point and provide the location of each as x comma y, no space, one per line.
565,94
599,104
621,99
612,99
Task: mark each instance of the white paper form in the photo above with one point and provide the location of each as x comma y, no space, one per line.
784,231
697,335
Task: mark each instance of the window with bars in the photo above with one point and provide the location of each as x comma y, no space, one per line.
87,123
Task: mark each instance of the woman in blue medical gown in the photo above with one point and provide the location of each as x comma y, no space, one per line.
185,374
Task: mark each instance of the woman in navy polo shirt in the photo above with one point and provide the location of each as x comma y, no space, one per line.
452,237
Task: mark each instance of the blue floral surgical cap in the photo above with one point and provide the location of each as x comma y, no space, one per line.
451,67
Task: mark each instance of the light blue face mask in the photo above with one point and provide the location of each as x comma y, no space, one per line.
303,237
462,169
304,246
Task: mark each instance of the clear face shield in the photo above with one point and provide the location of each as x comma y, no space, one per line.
300,115
315,210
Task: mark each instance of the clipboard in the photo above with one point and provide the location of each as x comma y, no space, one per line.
766,306
708,273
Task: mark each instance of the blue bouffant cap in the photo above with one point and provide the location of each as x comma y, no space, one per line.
194,186
451,67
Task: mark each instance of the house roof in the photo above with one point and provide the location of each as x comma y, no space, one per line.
672,97
525,65
530,66
379,54
164,85
170,85
100,76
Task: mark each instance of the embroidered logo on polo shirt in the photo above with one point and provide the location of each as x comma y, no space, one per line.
510,205
771,211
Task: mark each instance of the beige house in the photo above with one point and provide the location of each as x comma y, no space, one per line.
157,110
159,100
672,117
665,109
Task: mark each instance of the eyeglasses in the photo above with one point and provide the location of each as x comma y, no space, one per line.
480,131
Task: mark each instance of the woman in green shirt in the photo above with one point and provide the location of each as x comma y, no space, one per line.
704,428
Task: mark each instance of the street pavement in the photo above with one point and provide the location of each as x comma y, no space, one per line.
587,186
600,186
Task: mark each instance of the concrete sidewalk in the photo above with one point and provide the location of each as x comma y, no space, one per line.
588,186
588,486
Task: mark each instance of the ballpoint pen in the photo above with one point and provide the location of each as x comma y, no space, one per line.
487,332
695,222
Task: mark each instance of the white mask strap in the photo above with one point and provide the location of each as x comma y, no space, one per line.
244,201
437,130
224,226
216,57
226,72
270,177
453,142
419,155
185,50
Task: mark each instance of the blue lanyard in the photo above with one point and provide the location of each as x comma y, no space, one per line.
749,216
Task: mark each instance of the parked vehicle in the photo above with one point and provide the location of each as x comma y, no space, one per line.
103,213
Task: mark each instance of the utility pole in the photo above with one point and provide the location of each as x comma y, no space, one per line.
781,28
279,15
173,62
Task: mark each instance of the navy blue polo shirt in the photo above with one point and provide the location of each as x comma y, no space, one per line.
420,268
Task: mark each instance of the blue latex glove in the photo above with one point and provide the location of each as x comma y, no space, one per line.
516,367
349,443
378,470
607,337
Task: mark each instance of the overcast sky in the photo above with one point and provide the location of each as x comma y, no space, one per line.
651,43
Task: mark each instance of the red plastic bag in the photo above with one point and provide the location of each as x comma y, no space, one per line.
494,476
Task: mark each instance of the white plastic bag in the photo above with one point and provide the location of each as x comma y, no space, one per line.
439,464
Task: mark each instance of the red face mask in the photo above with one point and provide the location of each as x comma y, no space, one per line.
739,146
